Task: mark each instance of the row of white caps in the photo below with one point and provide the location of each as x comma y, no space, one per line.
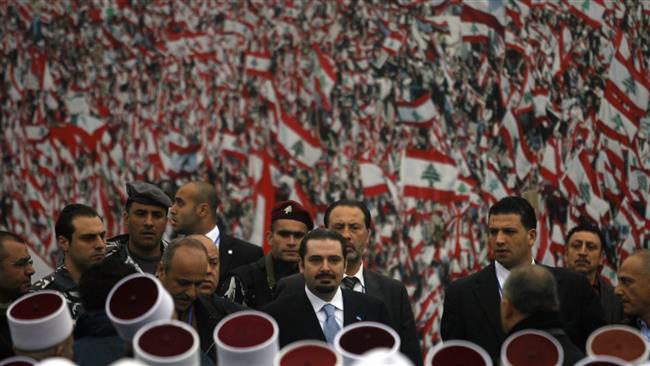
141,310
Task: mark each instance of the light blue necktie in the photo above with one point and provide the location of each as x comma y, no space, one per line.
331,327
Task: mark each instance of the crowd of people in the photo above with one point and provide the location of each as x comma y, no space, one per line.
97,94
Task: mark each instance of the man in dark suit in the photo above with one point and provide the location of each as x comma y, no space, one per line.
530,301
585,253
352,220
321,309
471,306
183,269
195,212
634,290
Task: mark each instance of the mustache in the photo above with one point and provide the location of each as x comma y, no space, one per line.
325,275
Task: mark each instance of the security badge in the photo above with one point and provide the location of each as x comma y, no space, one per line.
287,210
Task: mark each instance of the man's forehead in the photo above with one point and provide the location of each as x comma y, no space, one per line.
586,236
505,220
323,247
347,214
15,248
146,207
85,224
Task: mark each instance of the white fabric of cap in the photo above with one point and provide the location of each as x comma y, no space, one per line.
56,361
162,309
188,358
127,362
17,359
41,333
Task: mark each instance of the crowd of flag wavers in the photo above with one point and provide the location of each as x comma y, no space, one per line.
428,112
207,298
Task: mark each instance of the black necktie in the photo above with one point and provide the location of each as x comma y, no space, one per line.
349,282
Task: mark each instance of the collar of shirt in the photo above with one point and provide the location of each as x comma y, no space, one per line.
361,282
643,327
317,303
502,274
214,235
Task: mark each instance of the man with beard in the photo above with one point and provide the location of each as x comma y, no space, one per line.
182,271
80,234
16,270
253,284
194,211
585,253
352,220
145,217
322,308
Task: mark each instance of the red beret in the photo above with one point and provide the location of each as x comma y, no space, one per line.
291,210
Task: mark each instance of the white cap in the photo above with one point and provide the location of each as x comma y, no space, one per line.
602,361
18,361
354,340
531,345
458,351
308,352
39,320
56,361
138,299
167,342
246,338
127,362
620,341
383,357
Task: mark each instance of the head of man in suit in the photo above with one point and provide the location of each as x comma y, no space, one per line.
512,231
16,267
352,220
80,234
182,270
634,285
528,290
211,280
585,250
322,262
194,210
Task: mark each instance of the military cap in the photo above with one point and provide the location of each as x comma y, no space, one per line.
291,210
147,194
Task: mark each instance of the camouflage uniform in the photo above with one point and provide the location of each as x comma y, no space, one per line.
117,248
60,281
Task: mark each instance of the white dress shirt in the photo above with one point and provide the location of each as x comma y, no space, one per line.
214,235
359,286
317,303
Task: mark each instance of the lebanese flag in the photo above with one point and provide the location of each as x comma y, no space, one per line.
551,167
264,193
258,64
420,112
432,175
558,246
325,77
521,154
297,143
543,253
393,43
230,146
580,181
493,186
590,11
628,84
372,179
90,129
479,18
615,122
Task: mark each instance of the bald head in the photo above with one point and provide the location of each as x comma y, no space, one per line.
194,210
209,285
528,290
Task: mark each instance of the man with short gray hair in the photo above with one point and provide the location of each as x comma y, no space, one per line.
530,301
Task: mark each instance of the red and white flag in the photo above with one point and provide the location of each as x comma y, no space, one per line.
522,156
493,186
393,42
372,179
479,18
551,167
580,182
264,195
590,11
430,174
420,112
258,64
297,142
324,77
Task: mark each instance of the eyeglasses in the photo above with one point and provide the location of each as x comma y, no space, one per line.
22,263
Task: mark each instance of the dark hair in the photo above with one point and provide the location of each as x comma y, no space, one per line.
317,234
6,236
64,225
531,289
170,251
518,206
589,227
97,281
348,203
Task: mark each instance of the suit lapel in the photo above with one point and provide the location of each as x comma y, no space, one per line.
310,319
371,283
225,254
486,290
